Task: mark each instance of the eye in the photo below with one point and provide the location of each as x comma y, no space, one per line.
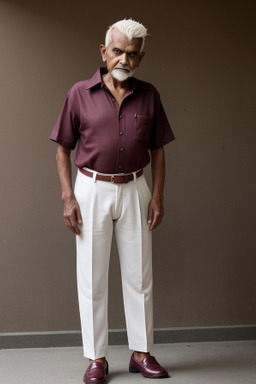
117,51
133,54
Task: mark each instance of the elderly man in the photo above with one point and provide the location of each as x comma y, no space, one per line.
116,122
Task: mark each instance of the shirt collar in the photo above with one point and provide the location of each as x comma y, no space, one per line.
97,80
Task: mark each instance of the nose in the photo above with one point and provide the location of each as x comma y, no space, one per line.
123,59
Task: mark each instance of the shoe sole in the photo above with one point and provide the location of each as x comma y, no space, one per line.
135,370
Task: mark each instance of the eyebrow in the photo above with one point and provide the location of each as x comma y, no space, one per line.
129,52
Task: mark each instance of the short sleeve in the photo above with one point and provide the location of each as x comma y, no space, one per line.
66,129
161,133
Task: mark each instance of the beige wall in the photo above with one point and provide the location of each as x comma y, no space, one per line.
201,57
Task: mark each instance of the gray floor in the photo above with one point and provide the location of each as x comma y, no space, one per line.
196,363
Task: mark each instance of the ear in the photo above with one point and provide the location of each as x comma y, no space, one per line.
103,52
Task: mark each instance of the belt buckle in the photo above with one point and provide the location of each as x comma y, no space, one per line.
112,179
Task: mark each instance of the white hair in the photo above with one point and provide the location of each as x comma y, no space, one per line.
130,28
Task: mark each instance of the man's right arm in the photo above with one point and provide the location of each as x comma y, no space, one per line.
71,212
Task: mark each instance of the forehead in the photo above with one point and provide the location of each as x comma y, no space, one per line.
119,40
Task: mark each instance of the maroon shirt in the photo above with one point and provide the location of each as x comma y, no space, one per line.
112,139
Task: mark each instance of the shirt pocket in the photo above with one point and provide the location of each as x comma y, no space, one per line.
143,128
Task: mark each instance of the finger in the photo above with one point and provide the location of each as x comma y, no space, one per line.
157,218
74,227
153,223
79,216
150,215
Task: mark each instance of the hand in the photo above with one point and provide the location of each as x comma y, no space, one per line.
155,213
72,216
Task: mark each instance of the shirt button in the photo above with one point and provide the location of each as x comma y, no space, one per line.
135,115
113,100
121,149
120,117
121,133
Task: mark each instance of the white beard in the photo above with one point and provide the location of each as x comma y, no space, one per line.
121,75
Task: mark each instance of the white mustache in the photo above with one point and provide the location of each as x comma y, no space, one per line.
126,68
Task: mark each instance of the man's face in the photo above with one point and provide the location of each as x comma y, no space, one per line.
122,55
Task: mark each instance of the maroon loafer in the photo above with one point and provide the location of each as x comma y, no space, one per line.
96,373
149,368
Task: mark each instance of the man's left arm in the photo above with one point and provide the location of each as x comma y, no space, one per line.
155,209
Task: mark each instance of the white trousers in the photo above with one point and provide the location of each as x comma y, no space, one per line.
122,208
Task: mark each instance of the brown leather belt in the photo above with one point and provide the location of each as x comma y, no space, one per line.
115,179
